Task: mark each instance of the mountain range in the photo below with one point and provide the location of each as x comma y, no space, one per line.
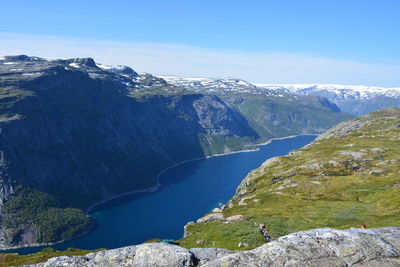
269,113
352,99
356,100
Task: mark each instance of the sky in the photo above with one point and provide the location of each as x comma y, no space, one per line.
286,41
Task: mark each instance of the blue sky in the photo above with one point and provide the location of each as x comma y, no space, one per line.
356,38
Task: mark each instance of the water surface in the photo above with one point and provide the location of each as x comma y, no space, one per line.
188,191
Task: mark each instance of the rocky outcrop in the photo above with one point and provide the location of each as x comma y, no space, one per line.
323,247
219,217
320,247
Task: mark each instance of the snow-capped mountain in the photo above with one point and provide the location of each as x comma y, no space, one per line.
353,99
266,110
218,86
341,91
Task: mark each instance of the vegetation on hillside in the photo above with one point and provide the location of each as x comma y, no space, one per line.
50,222
14,259
225,144
346,180
276,116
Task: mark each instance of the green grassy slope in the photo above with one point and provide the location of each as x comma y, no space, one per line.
348,178
14,259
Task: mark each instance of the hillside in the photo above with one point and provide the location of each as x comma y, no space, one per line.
75,133
349,176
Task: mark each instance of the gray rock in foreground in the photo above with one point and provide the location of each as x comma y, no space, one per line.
319,247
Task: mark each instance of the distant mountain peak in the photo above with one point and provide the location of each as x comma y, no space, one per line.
89,62
19,58
362,91
205,81
120,69
215,85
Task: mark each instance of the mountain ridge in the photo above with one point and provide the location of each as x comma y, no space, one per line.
353,99
266,110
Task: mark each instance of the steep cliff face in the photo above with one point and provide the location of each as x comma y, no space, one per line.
82,134
64,131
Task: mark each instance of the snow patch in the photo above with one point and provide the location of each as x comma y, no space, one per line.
220,85
75,65
111,67
339,90
94,75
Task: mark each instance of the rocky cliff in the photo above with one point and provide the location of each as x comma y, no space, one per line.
320,247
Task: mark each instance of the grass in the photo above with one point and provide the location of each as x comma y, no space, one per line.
14,259
342,192
221,235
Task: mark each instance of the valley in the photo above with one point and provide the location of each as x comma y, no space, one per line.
347,178
104,132
200,133
75,133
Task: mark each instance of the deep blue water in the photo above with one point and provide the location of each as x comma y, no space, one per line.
188,191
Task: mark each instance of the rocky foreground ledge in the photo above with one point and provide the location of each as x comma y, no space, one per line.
319,247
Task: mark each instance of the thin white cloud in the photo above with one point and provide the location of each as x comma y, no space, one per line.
169,59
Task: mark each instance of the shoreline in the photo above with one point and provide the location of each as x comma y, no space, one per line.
158,184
